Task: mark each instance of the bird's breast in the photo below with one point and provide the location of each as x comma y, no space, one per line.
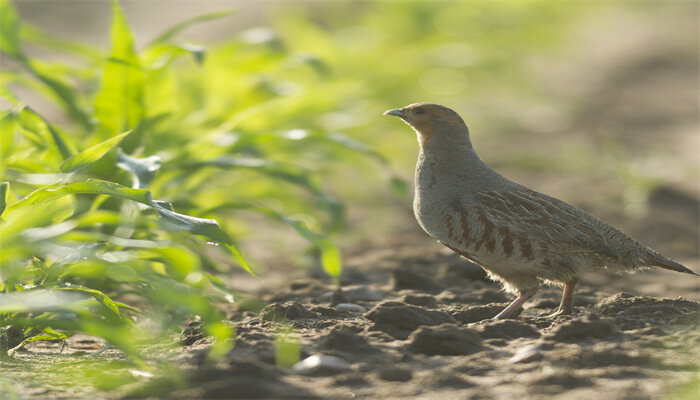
433,197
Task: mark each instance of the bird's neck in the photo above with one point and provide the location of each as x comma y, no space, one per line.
451,162
448,148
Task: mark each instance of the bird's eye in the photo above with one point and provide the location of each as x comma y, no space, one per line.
419,111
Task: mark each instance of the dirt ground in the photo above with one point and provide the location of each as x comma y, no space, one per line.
413,321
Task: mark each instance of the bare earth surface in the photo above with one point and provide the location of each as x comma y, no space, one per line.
413,321
423,331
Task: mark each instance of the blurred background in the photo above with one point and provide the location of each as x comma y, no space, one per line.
592,102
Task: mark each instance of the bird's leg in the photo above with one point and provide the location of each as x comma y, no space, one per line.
516,304
567,299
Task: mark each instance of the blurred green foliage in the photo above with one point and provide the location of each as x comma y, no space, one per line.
387,55
81,225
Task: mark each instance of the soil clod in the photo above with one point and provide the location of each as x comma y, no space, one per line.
446,339
400,319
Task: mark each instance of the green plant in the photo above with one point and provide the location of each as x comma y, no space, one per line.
83,223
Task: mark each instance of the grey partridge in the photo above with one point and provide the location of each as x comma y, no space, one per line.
521,237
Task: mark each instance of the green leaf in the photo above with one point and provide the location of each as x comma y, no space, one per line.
120,336
59,87
33,35
139,135
330,258
142,169
17,220
197,52
287,346
91,186
330,255
7,135
33,129
180,261
5,92
31,121
9,30
199,226
89,156
4,190
49,334
241,260
119,103
97,295
222,333
318,65
161,56
124,62
288,172
168,34
10,45
358,146
128,307
35,234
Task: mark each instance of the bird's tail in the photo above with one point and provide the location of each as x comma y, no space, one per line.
657,260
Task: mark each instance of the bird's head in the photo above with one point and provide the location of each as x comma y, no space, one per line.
429,120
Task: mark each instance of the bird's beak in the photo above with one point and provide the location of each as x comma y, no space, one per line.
399,112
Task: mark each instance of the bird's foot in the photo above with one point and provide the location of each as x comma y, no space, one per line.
560,311
515,307
566,307
512,314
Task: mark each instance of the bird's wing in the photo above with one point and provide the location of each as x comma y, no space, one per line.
544,219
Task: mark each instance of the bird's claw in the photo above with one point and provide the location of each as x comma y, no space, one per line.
559,312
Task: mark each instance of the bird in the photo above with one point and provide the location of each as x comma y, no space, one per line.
522,238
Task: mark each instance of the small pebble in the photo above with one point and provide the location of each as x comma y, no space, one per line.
350,307
321,364
526,354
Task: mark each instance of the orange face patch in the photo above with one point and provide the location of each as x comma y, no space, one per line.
427,118
430,119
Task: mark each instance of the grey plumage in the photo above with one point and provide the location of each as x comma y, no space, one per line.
519,236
